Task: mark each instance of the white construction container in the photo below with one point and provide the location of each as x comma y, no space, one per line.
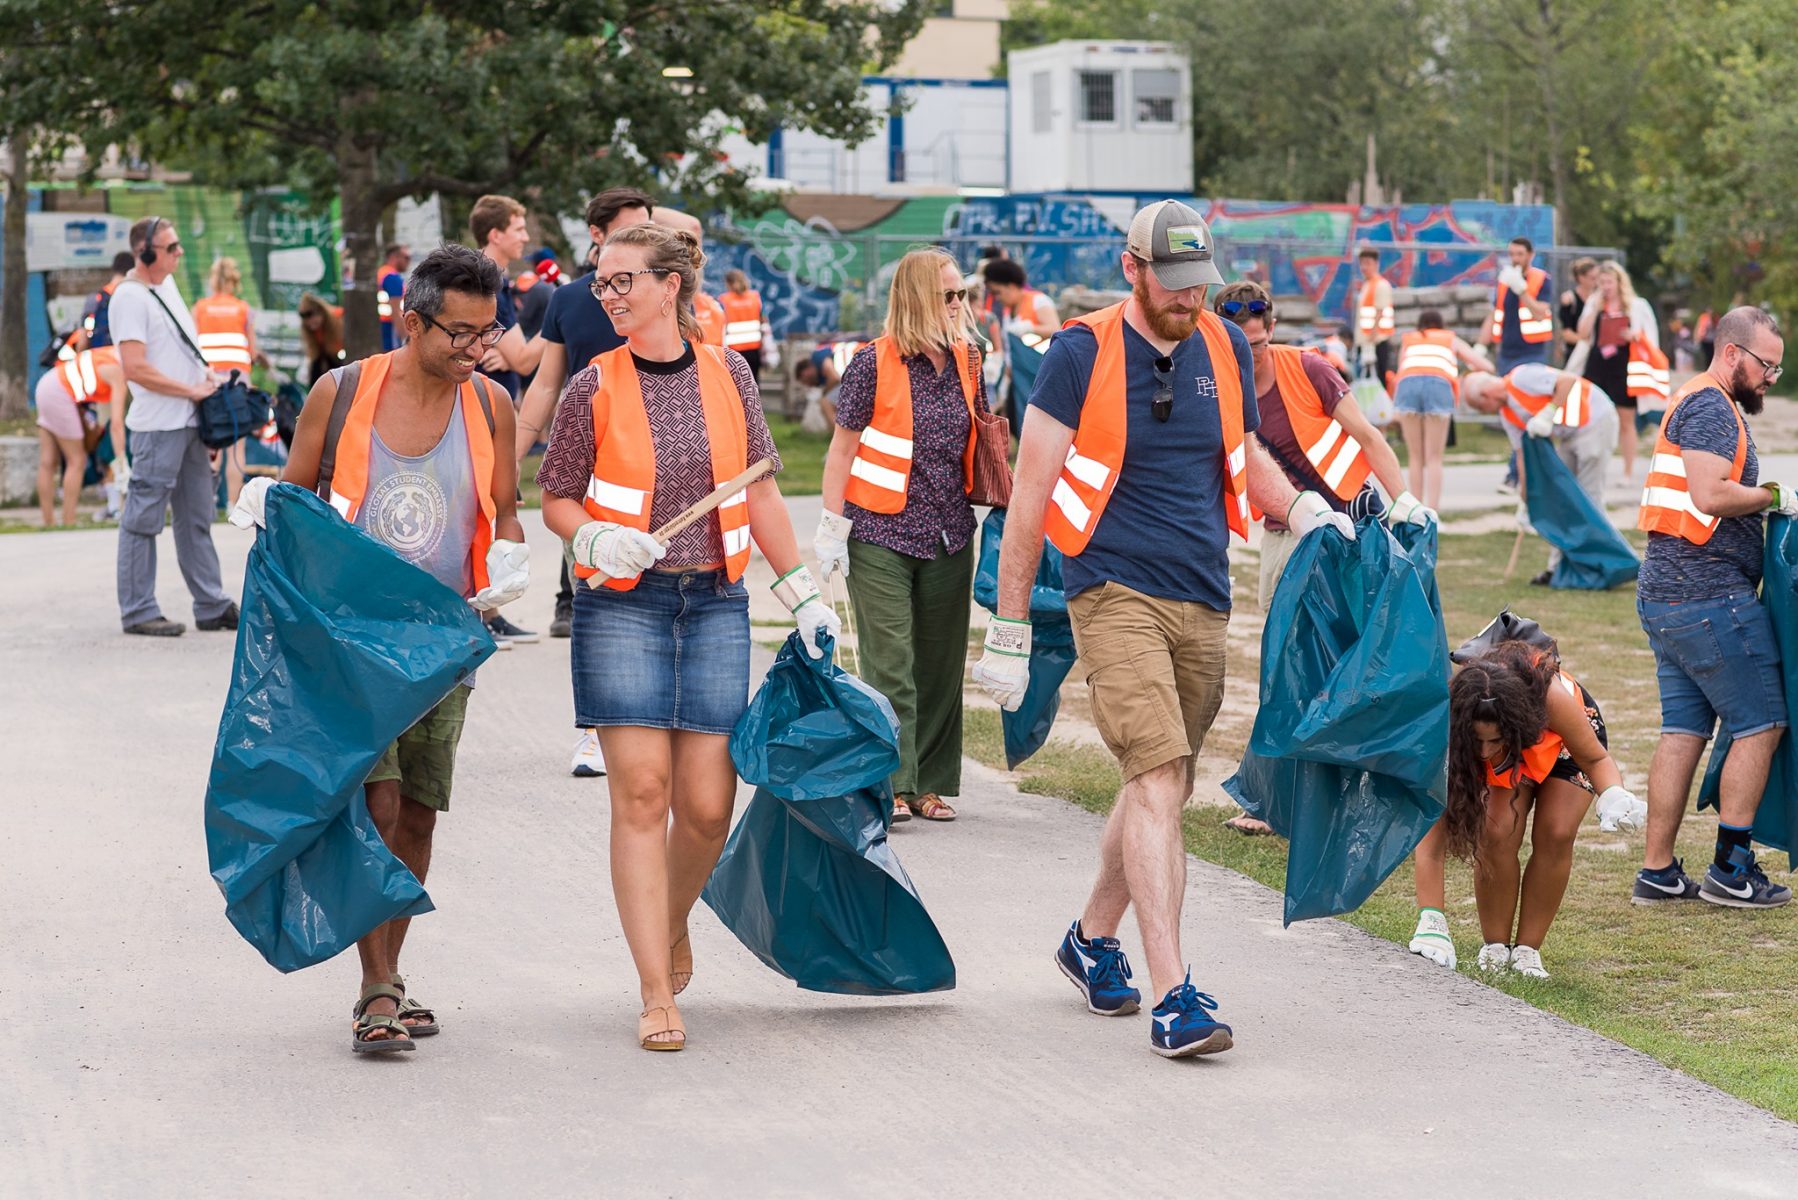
1101,117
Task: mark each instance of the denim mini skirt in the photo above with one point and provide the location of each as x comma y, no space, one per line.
671,653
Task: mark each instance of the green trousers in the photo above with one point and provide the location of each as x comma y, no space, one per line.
911,619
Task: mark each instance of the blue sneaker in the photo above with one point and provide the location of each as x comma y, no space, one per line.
1743,885
1101,972
1183,1024
1669,883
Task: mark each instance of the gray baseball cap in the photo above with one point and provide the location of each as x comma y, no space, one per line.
1175,241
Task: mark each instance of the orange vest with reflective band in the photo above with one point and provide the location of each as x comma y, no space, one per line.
1576,410
711,321
80,375
881,472
1372,319
224,324
1648,370
1534,329
1667,505
1430,352
742,319
623,486
1537,760
349,482
1332,452
1090,473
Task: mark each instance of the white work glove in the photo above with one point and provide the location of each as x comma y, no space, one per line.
1543,423
1409,508
1514,279
1003,671
1618,809
1367,356
1523,516
1432,940
1310,512
248,510
799,592
121,472
613,550
770,348
1785,499
831,543
508,575
992,368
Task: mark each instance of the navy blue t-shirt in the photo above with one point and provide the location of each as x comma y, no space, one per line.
1163,532
1675,570
578,323
506,317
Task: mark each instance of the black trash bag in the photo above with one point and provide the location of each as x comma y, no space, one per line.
1507,626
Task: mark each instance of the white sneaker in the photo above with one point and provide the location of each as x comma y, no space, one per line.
1527,960
1431,940
588,763
1494,956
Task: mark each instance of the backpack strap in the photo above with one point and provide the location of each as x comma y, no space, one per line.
480,391
348,378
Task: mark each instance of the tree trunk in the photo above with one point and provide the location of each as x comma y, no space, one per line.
357,181
14,360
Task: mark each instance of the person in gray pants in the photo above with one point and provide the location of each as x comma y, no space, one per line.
168,464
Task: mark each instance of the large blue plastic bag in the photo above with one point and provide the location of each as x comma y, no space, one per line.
341,647
1026,361
808,881
1594,555
1349,754
1777,817
1052,651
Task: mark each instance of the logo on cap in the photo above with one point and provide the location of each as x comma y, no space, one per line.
1186,239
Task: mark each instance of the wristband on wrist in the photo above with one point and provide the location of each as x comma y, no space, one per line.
796,588
1008,636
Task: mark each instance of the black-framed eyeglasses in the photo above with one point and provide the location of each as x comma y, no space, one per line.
1163,404
488,337
1773,370
621,282
1235,310
951,295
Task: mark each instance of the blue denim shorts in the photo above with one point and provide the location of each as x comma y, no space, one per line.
671,653
1424,394
1715,658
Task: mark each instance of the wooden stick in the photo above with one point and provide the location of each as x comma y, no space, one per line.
700,508
1511,567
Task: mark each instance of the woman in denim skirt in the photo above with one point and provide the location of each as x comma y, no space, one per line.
660,649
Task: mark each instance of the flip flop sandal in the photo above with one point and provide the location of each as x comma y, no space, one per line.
680,963
393,1035
901,810
931,807
420,1020
653,1022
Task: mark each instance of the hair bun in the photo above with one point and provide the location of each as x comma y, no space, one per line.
693,249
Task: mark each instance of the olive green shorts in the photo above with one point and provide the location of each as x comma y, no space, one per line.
424,757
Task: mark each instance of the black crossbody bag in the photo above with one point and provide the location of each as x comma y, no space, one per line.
235,410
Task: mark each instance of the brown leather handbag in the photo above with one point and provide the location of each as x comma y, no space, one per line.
992,461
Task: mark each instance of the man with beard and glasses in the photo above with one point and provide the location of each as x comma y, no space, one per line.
1138,459
1714,652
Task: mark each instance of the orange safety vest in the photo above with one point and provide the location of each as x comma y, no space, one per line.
384,304
1534,329
1374,320
1090,473
81,378
1332,451
349,481
881,473
1648,370
623,486
224,324
1430,352
742,320
711,320
1667,505
1536,761
1576,411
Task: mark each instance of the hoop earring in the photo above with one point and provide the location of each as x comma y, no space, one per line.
667,307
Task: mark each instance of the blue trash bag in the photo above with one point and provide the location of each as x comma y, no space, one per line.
1026,361
341,647
1349,755
808,881
1594,555
1051,641
1777,817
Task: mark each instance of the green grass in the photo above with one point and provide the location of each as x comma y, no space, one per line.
19,427
801,456
1702,989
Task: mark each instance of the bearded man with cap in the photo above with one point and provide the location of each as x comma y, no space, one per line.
1138,458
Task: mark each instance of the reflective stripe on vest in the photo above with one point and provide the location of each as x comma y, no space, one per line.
622,488
880,474
1089,474
1533,328
1667,505
742,320
349,480
80,375
1648,374
1331,450
841,353
1430,352
1372,318
222,324
1576,410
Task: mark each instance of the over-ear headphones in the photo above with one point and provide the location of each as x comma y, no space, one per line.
147,255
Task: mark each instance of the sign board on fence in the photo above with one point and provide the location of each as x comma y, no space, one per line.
64,241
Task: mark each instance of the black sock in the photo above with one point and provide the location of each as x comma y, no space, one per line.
1728,838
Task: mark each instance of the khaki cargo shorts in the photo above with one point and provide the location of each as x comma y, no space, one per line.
424,757
1155,671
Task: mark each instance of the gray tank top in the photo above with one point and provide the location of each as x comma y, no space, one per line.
425,507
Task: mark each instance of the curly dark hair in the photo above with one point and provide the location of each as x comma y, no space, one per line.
1508,686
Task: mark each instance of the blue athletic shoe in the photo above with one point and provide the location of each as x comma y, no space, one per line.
1101,972
1182,1024
1743,885
1668,883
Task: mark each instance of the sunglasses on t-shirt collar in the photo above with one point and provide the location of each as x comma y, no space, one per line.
1163,404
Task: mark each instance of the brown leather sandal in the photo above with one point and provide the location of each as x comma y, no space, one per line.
901,810
653,1023
933,807
680,964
